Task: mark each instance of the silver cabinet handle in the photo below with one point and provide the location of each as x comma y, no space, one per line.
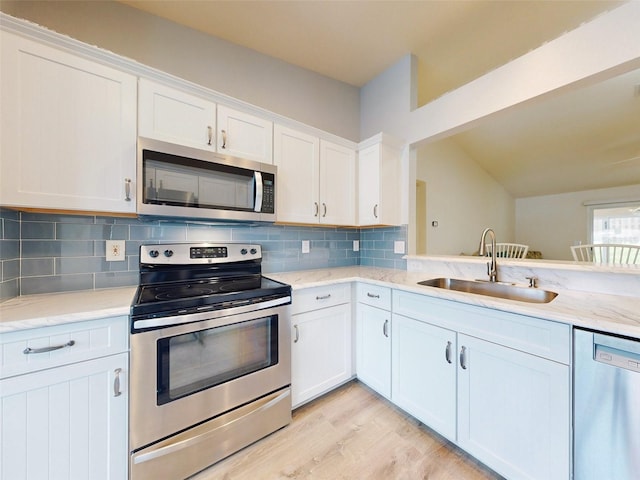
463,357
447,353
29,350
127,189
317,209
385,328
116,383
209,134
224,138
295,340
324,209
371,295
375,210
323,297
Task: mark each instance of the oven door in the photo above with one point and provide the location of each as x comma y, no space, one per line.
186,374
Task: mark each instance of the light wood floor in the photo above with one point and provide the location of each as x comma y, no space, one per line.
350,433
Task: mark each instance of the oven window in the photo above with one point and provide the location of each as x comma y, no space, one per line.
192,362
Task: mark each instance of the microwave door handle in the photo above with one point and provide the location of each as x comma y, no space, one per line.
257,176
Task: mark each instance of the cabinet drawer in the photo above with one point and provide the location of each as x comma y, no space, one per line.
374,295
540,337
320,297
80,341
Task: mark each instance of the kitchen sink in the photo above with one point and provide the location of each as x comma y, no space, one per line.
493,289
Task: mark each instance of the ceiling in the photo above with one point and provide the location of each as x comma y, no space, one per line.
565,144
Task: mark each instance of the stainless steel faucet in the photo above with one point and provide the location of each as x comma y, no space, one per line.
492,266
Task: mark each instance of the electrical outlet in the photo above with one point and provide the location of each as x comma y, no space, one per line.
398,246
305,246
356,245
115,250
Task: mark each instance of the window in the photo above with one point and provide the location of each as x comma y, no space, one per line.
616,223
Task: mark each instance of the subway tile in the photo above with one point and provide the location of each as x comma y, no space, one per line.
10,269
9,214
10,229
54,218
74,231
116,279
56,248
38,231
69,265
9,249
9,289
56,283
164,233
35,267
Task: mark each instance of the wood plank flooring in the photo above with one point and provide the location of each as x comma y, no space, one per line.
350,433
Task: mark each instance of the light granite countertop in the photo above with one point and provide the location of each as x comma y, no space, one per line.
609,313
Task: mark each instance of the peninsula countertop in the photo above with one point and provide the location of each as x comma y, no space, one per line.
609,313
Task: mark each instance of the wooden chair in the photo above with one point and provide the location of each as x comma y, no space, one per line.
611,253
509,250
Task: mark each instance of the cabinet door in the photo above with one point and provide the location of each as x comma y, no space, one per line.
373,348
337,184
66,422
379,190
514,410
167,114
68,130
243,135
321,352
296,155
424,373
369,185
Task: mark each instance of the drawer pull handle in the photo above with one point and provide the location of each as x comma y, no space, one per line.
116,383
463,357
323,297
385,328
371,295
295,340
29,350
447,352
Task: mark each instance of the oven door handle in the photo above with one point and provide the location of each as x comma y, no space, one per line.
189,442
208,315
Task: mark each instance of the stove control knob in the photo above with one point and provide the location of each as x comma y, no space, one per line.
153,253
243,251
253,251
168,253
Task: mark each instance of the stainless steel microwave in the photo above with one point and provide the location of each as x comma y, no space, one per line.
178,181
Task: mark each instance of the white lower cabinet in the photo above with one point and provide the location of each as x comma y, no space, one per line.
68,419
373,337
321,341
424,373
496,384
514,411
373,347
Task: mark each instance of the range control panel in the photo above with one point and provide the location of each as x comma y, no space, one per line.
198,253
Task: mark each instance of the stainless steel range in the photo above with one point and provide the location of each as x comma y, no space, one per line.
210,357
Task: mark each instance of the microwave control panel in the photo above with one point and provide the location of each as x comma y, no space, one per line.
268,194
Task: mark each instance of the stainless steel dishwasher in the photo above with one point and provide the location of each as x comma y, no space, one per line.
606,407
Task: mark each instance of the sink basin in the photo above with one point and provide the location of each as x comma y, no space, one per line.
492,289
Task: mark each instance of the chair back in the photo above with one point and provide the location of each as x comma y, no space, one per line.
509,250
611,253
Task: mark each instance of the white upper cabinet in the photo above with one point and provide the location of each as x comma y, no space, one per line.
337,184
379,169
316,179
243,135
67,130
297,156
171,115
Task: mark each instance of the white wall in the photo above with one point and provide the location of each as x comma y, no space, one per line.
230,69
464,200
552,223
